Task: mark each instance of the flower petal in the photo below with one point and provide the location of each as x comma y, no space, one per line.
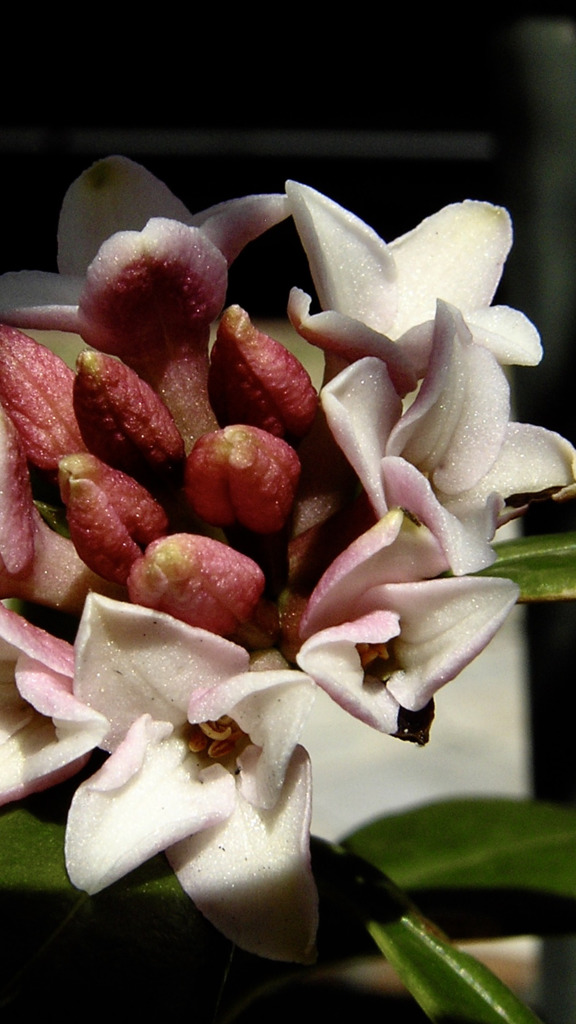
147,795
114,194
251,876
456,255
352,268
158,660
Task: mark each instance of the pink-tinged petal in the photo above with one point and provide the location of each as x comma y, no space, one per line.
114,194
444,625
16,511
34,299
254,379
465,544
361,407
46,733
242,474
352,268
454,429
271,706
146,287
507,333
198,580
158,660
456,255
150,297
533,463
18,636
332,658
122,420
350,339
36,391
148,795
251,877
234,223
395,550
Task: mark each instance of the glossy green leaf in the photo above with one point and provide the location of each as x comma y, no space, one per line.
139,946
481,867
544,567
450,985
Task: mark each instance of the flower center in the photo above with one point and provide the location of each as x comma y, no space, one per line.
215,739
378,661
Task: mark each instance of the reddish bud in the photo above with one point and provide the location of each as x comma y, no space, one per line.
122,420
198,580
36,391
253,379
242,474
109,515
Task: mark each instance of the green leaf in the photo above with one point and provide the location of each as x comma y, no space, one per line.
140,946
544,567
483,867
450,985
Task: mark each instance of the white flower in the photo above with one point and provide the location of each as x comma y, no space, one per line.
204,764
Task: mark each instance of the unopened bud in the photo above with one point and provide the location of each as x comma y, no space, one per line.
245,475
198,580
253,379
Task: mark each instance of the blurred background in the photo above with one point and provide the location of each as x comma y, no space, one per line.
393,116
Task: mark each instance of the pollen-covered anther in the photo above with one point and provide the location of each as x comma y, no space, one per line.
377,660
217,739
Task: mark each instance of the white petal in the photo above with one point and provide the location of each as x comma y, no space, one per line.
31,298
456,426
332,659
445,624
131,660
351,267
147,796
508,333
361,407
114,194
271,707
232,224
456,254
251,876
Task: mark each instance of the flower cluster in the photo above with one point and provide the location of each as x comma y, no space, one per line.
229,539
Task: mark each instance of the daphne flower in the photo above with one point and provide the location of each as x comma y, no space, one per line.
471,461
204,764
381,638
375,294
46,732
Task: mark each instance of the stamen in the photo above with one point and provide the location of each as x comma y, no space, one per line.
378,661
217,739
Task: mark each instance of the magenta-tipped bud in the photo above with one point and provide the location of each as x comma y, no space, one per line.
36,391
111,516
242,475
253,379
122,420
198,580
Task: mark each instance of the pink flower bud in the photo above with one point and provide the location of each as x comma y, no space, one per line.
36,391
109,515
122,420
16,510
198,580
254,379
242,474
